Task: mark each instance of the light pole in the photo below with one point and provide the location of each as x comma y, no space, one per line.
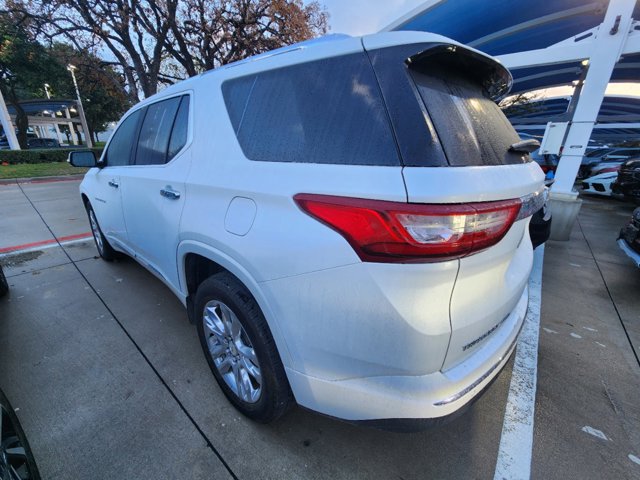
83,119
53,113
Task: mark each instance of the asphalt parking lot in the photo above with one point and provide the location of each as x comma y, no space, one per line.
109,380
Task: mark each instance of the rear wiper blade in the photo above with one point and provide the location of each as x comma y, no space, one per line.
525,146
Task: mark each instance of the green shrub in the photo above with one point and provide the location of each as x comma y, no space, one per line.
13,157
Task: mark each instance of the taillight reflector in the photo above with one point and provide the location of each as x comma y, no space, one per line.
394,232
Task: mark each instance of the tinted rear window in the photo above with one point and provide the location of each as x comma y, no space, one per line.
439,106
327,111
472,128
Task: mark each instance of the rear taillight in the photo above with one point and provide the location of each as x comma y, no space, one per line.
393,232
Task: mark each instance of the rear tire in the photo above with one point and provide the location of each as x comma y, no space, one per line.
105,250
240,349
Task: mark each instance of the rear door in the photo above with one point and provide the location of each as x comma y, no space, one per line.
458,153
153,188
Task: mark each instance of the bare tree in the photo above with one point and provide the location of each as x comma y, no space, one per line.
155,41
116,25
522,103
208,33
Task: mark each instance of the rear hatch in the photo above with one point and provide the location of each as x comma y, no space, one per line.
455,146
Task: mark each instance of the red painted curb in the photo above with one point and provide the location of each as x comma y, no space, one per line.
45,242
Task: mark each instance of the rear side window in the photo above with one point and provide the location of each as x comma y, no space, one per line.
155,132
328,111
122,142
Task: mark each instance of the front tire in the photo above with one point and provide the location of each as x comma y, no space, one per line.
240,349
16,459
105,250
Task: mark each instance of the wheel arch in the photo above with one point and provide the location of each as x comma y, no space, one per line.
198,261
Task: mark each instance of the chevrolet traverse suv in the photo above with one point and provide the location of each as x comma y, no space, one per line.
345,220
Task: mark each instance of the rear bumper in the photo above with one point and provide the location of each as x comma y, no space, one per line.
400,399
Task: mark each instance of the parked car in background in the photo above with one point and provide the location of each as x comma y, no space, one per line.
547,162
35,143
31,137
628,181
606,167
629,238
599,184
291,203
605,160
620,154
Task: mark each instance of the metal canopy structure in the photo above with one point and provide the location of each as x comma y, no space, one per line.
37,107
588,44
527,78
43,113
499,27
611,123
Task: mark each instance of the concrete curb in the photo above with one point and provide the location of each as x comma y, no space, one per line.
58,178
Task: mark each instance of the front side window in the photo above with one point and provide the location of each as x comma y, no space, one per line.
327,111
121,145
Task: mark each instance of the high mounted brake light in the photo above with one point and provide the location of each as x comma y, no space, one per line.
395,232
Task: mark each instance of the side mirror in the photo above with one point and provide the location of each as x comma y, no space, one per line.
86,159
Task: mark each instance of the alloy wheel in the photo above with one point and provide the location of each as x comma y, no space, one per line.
96,231
232,351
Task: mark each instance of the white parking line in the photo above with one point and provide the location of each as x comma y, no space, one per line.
516,442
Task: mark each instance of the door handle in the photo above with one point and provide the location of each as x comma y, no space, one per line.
170,193
114,184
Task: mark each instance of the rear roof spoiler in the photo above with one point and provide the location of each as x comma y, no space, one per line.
491,74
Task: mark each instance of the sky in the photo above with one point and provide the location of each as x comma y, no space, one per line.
359,17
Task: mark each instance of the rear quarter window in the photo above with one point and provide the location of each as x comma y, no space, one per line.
328,111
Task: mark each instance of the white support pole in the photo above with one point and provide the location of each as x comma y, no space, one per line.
57,129
53,113
609,42
9,130
608,45
74,137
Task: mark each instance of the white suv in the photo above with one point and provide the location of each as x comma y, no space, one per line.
344,219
